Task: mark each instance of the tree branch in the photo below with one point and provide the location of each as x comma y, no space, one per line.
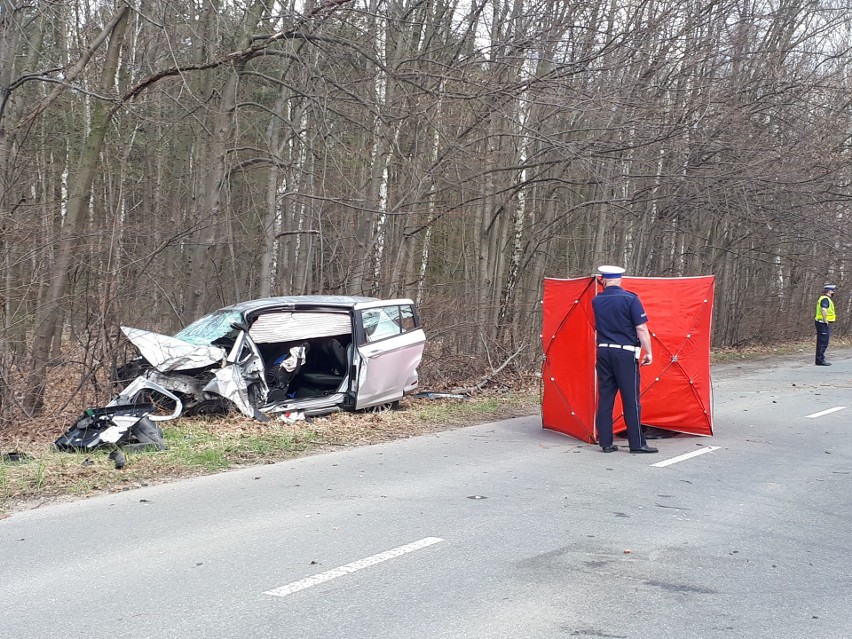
75,71
483,382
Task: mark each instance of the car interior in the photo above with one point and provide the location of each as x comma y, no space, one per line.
321,372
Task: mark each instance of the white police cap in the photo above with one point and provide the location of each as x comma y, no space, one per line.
611,272
830,287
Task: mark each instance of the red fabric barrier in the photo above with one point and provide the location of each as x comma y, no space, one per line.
676,391
568,341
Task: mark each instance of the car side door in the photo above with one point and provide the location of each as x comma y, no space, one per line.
389,341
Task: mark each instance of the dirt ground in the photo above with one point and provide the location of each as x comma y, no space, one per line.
48,476
35,435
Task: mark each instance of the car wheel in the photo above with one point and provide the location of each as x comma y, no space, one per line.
383,408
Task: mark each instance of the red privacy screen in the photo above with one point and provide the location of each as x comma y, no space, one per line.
675,390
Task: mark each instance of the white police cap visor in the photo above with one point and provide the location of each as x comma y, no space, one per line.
611,272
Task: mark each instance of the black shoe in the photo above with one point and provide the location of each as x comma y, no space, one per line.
609,449
823,363
644,449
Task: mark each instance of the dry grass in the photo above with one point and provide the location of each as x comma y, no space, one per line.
204,446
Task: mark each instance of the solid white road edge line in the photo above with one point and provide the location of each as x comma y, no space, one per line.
825,412
322,577
681,458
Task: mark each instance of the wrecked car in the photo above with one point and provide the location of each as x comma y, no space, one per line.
280,356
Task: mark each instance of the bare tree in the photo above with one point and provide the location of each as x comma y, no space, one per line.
158,159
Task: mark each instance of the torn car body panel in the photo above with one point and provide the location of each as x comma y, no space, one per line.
232,384
142,389
167,353
234,372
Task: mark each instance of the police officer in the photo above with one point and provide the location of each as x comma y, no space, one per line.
622,334
824,317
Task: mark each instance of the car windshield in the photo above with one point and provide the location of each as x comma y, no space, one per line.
210,328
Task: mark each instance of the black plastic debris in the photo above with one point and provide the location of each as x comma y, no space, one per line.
649,432
127,427
15,457
118,457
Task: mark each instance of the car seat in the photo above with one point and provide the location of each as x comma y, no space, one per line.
284,369
327,365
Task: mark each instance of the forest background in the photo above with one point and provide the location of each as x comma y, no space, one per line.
161,159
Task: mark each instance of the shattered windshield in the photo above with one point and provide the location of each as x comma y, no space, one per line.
210,328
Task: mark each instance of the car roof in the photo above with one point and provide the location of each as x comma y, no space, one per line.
342,301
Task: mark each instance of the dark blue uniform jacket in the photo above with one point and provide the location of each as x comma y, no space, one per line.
617,314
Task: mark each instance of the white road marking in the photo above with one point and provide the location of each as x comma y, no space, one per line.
825,412
681,458
322,577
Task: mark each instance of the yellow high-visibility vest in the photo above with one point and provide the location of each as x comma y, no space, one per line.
829,312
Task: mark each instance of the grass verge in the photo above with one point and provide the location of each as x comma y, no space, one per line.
205,446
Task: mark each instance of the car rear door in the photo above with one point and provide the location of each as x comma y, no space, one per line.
390,342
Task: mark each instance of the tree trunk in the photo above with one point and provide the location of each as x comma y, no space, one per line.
203,264
78,203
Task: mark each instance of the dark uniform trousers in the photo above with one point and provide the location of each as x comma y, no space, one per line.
823,330
618,371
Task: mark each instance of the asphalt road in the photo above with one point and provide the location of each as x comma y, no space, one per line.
495,531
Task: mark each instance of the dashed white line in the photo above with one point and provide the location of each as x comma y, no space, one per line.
680,458
322,577
825,412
